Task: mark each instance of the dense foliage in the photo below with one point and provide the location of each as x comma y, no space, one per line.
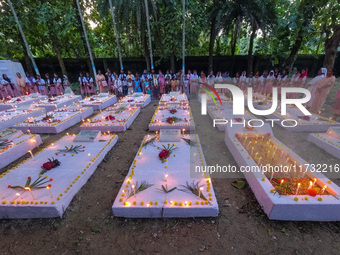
280,29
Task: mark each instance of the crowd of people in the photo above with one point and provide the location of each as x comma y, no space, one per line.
156,84
28,85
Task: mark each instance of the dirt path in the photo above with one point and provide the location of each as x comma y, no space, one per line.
89,227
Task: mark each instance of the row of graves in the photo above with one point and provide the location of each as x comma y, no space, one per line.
285,185
161,182
36,187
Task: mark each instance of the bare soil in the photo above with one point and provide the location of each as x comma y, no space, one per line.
89,226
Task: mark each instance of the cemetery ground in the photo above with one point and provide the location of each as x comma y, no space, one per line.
89,227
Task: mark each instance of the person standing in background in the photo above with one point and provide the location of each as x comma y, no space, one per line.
322,91
50,85
138,84
82,84
30,83
243,81
10,87
161,83
110,80
3,92
58,84
21,82
102,84
89,85
312,85
40,83
67,85
194,82
174,84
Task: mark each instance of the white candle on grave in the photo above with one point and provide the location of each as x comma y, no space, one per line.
297,189
199,192
166,177
134,190
281,182
89,155
29,189
314,182
272,175
323,189
49,191
30,152
310,185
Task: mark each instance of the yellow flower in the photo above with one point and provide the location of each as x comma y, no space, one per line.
202,203
175,203
320,198
151,203
181,203
263,179
306,198
142,203
329,181
134,203
296,198
156,203
210,198
206,202
271,191
197,202
165,201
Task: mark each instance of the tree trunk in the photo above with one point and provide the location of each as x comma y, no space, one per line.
172,63
145,47
331,45
234,41
293,53
211,45
250,51
59,57
81,32
29,66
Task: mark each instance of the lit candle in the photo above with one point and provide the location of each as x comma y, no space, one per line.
323,189
29,131
134,190
30,152
165,177
314,182
67,134
259,160
89,155
29,189
49,191
18,195
140,155
199,192
297,189
271,177
281,182
310,185
52,144
183,130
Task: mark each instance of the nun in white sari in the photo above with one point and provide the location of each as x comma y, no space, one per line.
313,84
